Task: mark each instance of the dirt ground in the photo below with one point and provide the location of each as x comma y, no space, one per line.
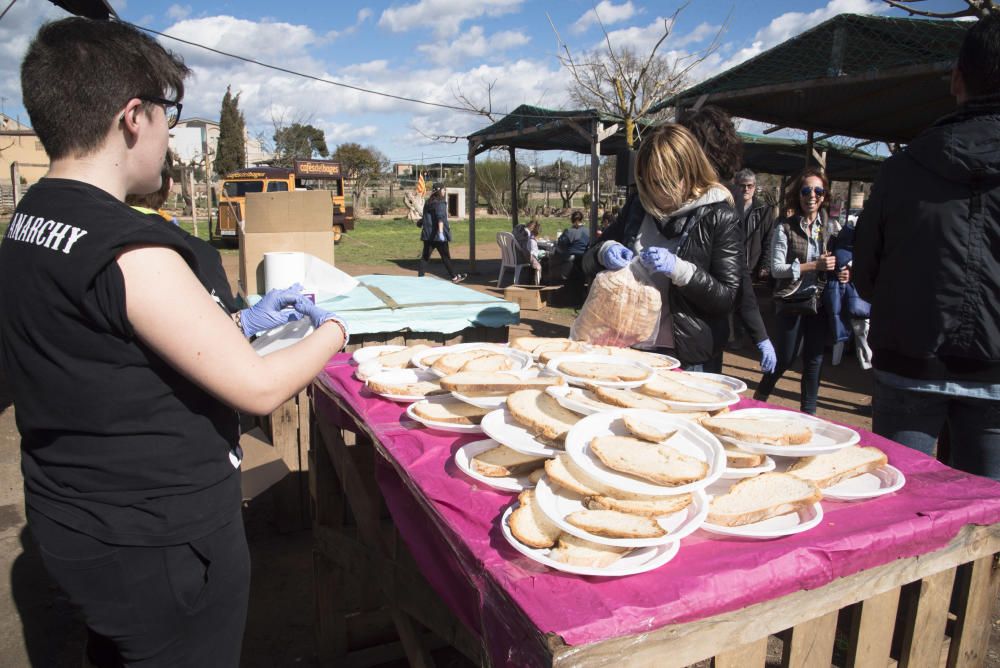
38,627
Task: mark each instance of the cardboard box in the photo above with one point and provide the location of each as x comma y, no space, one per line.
528,297
283,221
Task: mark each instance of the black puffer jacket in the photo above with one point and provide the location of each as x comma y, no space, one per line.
927,252
714,245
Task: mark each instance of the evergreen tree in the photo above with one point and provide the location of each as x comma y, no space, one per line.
232,150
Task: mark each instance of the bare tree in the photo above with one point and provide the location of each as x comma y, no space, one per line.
978,8
568,179
625,83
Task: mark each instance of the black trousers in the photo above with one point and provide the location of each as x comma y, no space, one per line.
442,248
179,605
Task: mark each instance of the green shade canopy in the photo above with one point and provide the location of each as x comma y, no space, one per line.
853,75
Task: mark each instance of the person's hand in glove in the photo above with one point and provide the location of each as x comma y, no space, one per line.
658,260
768,358
273,310
615,256
320,315
440,236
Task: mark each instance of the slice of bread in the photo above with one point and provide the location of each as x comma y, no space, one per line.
646,431
541,414
501,462
529,525
536,475
588,398
557,346
400,359
829,469
431,359
614,524
766,431
741,459
703,380
657,463
420,388
450,363
627,398
563,471
530,343
481,383
762,497
603,371
450,411
488,363
579,552
547,356
651,359
650,506
663,386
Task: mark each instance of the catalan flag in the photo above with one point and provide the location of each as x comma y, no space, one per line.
421,186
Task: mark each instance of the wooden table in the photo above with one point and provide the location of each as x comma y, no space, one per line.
374,603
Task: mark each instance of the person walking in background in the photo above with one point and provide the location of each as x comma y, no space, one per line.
685,230
435,232
799,259
717,136
758,223
927,257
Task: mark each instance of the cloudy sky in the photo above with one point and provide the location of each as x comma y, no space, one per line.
430,50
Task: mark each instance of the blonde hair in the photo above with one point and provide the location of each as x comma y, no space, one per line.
672,169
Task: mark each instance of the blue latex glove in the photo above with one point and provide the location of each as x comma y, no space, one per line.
615,256
440,236
768,358
658,260
271,311
315,313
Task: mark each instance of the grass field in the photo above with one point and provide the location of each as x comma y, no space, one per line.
377,241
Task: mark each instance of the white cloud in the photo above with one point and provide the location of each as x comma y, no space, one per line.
473,43
178,12
364,14
605,12
445,16
790,24
338,133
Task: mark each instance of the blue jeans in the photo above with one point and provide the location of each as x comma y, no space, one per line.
810,330
917,419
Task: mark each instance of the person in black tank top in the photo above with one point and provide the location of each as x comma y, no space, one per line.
125,374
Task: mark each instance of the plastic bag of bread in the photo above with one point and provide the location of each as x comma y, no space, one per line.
622,309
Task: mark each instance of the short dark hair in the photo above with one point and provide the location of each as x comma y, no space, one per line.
979,57
78,73
714,130
575,216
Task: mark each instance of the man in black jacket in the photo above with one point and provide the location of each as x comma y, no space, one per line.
927,256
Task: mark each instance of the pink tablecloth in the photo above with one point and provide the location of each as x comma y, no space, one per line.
451,524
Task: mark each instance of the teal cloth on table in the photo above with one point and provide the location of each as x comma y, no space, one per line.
400,303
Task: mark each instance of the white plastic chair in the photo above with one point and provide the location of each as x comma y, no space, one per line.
508,257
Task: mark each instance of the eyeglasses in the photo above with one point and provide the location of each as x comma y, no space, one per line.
746,186
171,108
806,191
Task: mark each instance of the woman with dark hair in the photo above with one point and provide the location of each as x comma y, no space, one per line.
683,226
798,254
435,232
715,132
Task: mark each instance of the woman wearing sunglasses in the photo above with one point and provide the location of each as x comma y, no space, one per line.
798,254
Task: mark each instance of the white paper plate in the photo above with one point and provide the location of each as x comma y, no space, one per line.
827,437
463,460
885,480
553,367
556,503
402,376
482,402
638,560
665,363
691,439
501,426
561,394
371,352
440,426
775,527
735,384
418,359
724,398
733,473
283,336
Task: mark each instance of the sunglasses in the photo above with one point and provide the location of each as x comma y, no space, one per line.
806,191
746,186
